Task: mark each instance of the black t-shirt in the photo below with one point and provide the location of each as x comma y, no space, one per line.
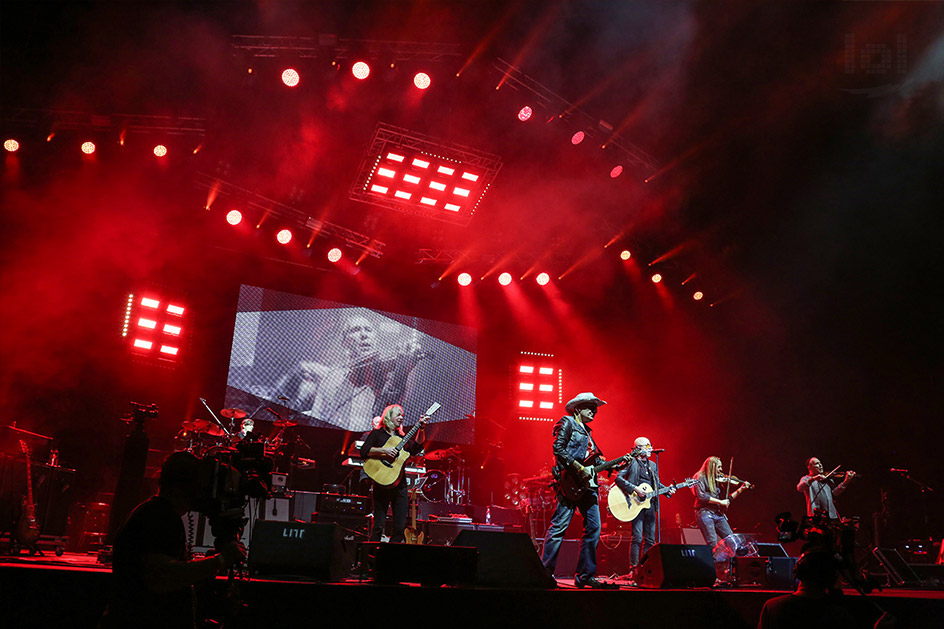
378,437
790,611
152,528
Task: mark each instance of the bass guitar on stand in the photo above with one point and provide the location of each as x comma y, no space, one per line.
27,530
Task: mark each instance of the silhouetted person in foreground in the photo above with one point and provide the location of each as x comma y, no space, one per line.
153,578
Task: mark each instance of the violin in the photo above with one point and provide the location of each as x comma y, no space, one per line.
734,480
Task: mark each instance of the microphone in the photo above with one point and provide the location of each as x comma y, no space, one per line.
273,412
899,471
657,450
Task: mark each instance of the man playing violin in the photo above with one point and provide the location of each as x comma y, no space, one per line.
818,491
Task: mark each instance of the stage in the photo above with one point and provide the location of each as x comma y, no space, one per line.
72,590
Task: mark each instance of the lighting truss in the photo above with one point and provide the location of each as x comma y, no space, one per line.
518,80
418,174
61,120
333,48
275,210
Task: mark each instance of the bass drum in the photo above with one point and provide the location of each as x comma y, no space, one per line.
435,486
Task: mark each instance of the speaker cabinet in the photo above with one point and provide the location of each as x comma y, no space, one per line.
506,559
297,550
676,566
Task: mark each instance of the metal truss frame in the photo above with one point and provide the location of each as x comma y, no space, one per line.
333,48
360,242
518,80
64,120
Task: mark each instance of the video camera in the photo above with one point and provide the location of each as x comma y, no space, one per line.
227,479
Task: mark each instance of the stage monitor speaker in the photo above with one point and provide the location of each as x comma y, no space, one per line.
297,550
899,572
780,573
506,559
425,564
676,566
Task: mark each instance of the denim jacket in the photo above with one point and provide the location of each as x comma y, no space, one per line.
570,442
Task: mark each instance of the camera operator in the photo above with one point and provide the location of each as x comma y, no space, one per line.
818,601
153,578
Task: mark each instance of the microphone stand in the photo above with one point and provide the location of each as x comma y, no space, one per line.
659,507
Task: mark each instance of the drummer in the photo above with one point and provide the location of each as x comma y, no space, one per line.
709,506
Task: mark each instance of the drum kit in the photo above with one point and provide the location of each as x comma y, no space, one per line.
201,436
449,484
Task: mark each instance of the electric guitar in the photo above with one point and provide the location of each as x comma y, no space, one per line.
27,530
385,472
573,486
625,508
411,534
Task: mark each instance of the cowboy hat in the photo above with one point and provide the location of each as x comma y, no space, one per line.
583,398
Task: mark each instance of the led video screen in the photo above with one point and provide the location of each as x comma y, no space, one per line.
336,366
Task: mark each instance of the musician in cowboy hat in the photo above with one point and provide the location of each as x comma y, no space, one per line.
576,453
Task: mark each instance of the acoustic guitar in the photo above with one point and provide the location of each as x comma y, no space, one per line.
626,508
385,472
27,530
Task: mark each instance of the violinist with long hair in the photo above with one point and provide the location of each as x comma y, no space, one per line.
709,503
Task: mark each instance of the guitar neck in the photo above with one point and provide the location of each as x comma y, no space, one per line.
408,436
602,467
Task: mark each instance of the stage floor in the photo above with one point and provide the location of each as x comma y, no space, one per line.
71,591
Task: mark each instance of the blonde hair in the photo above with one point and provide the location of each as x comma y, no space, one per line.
386,418
709,470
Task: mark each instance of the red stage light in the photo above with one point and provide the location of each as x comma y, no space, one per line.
698,295
233,217
625,254
147,302
160,150
526,369
577,138
360,70
173,330
525,113
11,145
167,349
656,278
150,324
284,236
88,148
421,80
290,77
464,279
616,172
452,207
142,344
504,279
542,279
334,254
175,310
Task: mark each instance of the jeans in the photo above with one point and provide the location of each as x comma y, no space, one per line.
714,526
644,527
587,559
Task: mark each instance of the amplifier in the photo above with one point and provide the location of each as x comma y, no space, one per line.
307,502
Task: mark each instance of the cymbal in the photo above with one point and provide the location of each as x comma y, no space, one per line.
202,425
233,413
440,455
284,423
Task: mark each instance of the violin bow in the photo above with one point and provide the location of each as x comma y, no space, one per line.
727,487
